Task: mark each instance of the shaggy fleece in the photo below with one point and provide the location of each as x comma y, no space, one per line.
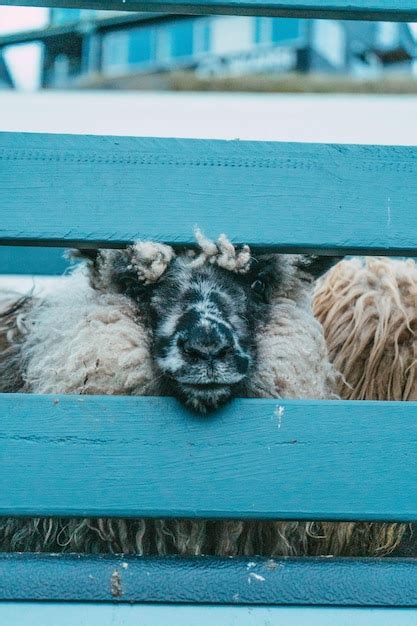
368,309
103,348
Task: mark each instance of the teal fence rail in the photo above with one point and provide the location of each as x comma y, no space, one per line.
388,10
66,455
69,190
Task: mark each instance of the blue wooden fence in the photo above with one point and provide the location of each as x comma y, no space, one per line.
68,190
326,460
387,10
262,459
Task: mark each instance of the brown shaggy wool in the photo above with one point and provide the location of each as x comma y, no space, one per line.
368,310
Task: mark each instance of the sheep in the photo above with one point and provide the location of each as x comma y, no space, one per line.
368,310
146,321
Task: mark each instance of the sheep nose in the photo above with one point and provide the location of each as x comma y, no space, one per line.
207,345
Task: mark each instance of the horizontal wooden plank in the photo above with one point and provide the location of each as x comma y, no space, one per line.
209,581
82,190
39,614
126,456
395,10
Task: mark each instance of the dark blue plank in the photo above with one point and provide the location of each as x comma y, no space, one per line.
67,190
32,260
126,456
204,580
395,10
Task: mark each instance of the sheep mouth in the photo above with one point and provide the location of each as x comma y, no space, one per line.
206,386
202,397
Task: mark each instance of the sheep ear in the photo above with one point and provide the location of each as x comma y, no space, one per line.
316,265
86,254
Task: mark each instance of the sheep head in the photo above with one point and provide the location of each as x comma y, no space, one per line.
203,308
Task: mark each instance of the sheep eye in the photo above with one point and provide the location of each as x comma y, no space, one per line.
130,286
127,282
258,287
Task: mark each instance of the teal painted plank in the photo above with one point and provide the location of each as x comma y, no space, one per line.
395,10
32,260
253,581
125,456
70,190
68,614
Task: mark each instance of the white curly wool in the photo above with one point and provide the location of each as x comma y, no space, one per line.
84,342
222,253
150,260
292,355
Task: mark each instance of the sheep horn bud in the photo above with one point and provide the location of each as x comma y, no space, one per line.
222,253
150,260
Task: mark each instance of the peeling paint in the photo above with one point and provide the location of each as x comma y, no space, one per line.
279,413
116,584
253,576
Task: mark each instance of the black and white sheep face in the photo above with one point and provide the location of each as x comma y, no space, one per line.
203,321
202,309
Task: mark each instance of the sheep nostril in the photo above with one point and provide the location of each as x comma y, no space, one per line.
192,353
204,351
224,352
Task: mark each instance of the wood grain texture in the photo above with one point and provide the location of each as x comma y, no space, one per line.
394,10
124,456
82,190
323,581
68,614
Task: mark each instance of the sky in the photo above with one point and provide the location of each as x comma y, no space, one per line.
23,61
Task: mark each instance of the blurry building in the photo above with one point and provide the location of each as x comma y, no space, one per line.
94,48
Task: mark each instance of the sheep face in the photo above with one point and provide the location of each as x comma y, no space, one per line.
202,310
202,321
201,315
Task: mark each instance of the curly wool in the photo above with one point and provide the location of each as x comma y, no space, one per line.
100,348
222,253
368,309
109,353
13,331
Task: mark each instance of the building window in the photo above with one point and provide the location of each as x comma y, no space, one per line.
284,29
115,51
201,35
270,30
141,48
181,39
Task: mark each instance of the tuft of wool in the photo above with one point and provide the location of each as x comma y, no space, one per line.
222,253
150,260
102,348
368,309
13,330
292,355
